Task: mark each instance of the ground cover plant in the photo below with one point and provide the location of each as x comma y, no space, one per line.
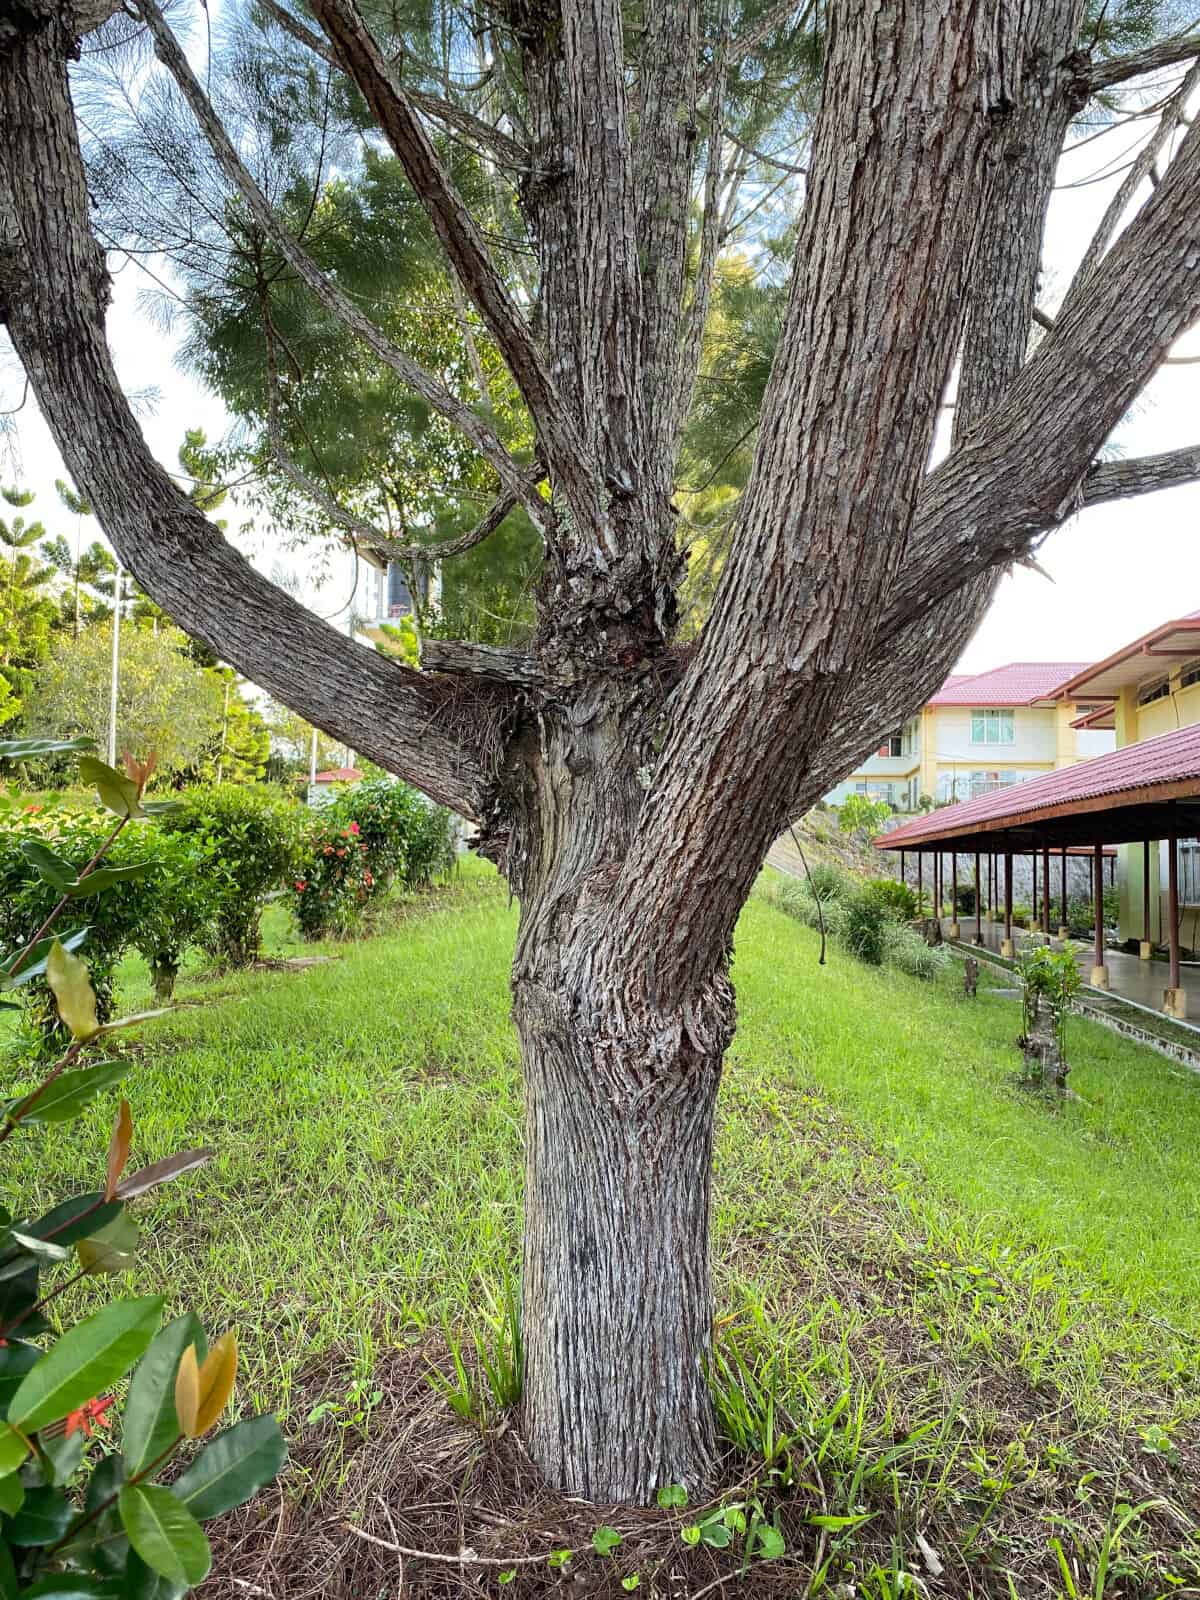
957,1327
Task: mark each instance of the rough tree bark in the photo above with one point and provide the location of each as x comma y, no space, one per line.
629,790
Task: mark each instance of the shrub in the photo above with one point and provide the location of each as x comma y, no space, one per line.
27,898
180,903
80,1521
254,837
826,882
335,882
377,833
899,899
906,950
863,928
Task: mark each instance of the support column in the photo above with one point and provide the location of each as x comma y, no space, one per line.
1175,997
978,903
1007,948
1064,933
937,887
1099,978
1046,893
903,874
1146,947
955,930
1033,894
920,883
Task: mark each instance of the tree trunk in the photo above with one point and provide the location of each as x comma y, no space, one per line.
617,1305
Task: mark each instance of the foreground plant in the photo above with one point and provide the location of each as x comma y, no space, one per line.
78,1519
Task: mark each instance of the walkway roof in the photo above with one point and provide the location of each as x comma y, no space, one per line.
1020,683
1143,791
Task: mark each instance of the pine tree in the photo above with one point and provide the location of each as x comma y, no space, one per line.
27,607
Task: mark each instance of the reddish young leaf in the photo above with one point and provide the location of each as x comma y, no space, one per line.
118,1149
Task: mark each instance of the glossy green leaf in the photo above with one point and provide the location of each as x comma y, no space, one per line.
91,1357
62,1455
43,1519
117,792
51,868
12,1494
233,1467
26,1244
143,1583
112,1249
27,749
149,1423
76,1218
165,1533
69,1093
104,877
35,966
8,1572
14,1447
16,1359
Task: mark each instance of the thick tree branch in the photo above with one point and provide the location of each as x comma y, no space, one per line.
364,62
1020,472
339,304
508,152
1117,480
1172,118
54,289
1120,69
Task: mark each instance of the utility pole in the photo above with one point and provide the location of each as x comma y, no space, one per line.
116,663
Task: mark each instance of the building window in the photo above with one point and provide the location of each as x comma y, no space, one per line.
877,790
1190,675
992,727
399,597
1153,692
990,782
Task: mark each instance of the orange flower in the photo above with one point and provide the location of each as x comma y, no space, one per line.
91,1412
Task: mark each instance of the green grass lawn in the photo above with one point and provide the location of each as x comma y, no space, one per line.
979,1313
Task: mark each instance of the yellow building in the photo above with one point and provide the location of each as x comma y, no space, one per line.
982,732
1150,687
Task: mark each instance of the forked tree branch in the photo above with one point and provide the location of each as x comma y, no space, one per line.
1120,69
362,59
334,299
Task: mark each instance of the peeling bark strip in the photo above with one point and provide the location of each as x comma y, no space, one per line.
630,789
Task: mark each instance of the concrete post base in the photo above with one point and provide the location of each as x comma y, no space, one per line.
1007,949
1063,935
955,931
1175,1003
1145,950
1099,978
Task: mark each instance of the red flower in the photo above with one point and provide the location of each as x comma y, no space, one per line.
368,879
341,852
92,1411
353,828
328,849
301,885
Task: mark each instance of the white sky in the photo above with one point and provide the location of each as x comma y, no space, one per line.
1118,570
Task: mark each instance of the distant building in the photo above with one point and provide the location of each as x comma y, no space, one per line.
1150,687
982,732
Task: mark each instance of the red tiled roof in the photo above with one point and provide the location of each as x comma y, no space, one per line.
1170,761
1135,662
1020,683
339,775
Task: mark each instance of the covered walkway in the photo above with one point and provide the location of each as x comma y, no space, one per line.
1141,793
